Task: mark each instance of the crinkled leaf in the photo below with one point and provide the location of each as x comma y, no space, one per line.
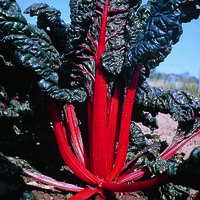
174,192
157,165
137,141
30,47
182,105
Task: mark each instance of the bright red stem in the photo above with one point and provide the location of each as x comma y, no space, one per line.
148,184
86,194
113,127
133,176
168,153
175,146
99,127
65,150
52,182
125,126
75,135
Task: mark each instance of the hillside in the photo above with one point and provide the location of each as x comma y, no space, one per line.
174,81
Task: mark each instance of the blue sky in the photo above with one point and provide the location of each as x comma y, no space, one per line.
185,55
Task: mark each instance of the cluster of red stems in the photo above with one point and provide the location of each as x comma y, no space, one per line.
109,119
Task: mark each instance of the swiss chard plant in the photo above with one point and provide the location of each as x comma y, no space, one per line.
86,82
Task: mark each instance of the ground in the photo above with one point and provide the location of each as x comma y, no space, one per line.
166,131
167,128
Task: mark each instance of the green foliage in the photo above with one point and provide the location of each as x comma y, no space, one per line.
85,83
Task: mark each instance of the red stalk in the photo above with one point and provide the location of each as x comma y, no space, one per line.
125,126
148,184
75,135
128,172
168,153
87,193
113,127
52,182
65,149
176,145
134,176
99,127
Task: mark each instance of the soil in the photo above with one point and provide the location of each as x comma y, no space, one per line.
166,131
